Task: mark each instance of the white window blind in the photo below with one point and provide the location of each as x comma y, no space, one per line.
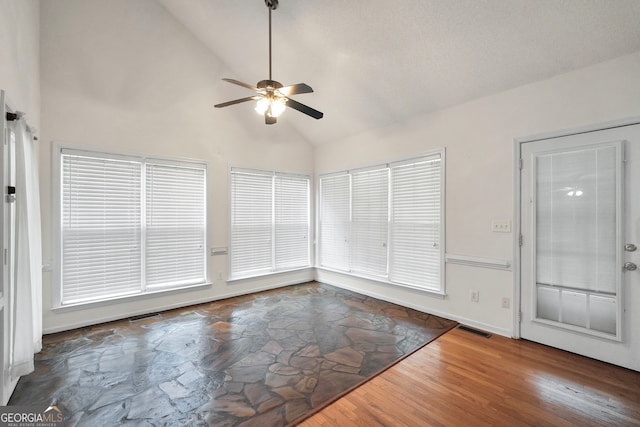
576,219
129,225
175,225
270,222
291,222
385,222
369,221
416,217
335,214
101,228
251,220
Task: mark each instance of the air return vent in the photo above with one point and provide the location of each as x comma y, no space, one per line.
144,317
474,331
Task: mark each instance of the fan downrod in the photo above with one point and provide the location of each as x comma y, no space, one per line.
271,4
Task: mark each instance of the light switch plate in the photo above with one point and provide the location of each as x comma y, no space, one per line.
501,226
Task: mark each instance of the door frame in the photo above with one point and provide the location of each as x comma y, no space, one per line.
517,196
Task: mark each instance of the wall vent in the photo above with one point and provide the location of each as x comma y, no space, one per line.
474,331
144,317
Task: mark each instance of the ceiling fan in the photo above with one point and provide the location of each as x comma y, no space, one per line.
273,98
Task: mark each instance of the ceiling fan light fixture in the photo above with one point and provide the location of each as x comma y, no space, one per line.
262,105
271,106
277,107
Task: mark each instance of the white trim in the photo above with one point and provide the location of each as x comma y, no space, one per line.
383,280
79,149
266,172
128,298
443,219
517,231
459,319
267,274
56,224
620,203
475,261
629,121
166,307
399,160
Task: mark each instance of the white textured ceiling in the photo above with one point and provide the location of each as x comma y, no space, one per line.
377,62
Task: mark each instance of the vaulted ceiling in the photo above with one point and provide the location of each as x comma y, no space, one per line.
373,63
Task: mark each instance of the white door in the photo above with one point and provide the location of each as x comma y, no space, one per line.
580,225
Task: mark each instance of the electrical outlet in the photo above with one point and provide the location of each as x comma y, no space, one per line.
506,302
475,296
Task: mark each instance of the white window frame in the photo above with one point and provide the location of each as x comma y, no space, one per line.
274,269
441,292
56,266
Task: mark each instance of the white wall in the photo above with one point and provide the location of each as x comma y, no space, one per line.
20,56
125,76
478,137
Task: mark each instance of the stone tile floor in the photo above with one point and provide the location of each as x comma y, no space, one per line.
265,359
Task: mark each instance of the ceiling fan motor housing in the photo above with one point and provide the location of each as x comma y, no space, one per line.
269,85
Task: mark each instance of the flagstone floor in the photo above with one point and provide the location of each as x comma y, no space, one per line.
265,359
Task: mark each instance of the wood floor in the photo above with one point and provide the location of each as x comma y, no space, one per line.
466,380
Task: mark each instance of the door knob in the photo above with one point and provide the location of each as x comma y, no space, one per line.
629,266
630,247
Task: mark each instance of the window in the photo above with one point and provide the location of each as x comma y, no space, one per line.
129,225
416,253
369,221
335,214
175,225
270,222
385,222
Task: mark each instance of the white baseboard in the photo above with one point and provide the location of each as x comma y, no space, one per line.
158,309
120,316
478,325
8,390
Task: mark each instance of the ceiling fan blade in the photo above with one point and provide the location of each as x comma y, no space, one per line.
304,109
237,101
295,89
239,83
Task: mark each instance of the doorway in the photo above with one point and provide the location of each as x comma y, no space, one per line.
579,221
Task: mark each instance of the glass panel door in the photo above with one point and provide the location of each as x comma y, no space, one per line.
579,233
575,215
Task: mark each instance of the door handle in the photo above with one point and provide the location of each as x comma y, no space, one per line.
629,266
630,247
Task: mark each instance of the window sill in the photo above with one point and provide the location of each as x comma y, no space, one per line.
430,292
128,298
